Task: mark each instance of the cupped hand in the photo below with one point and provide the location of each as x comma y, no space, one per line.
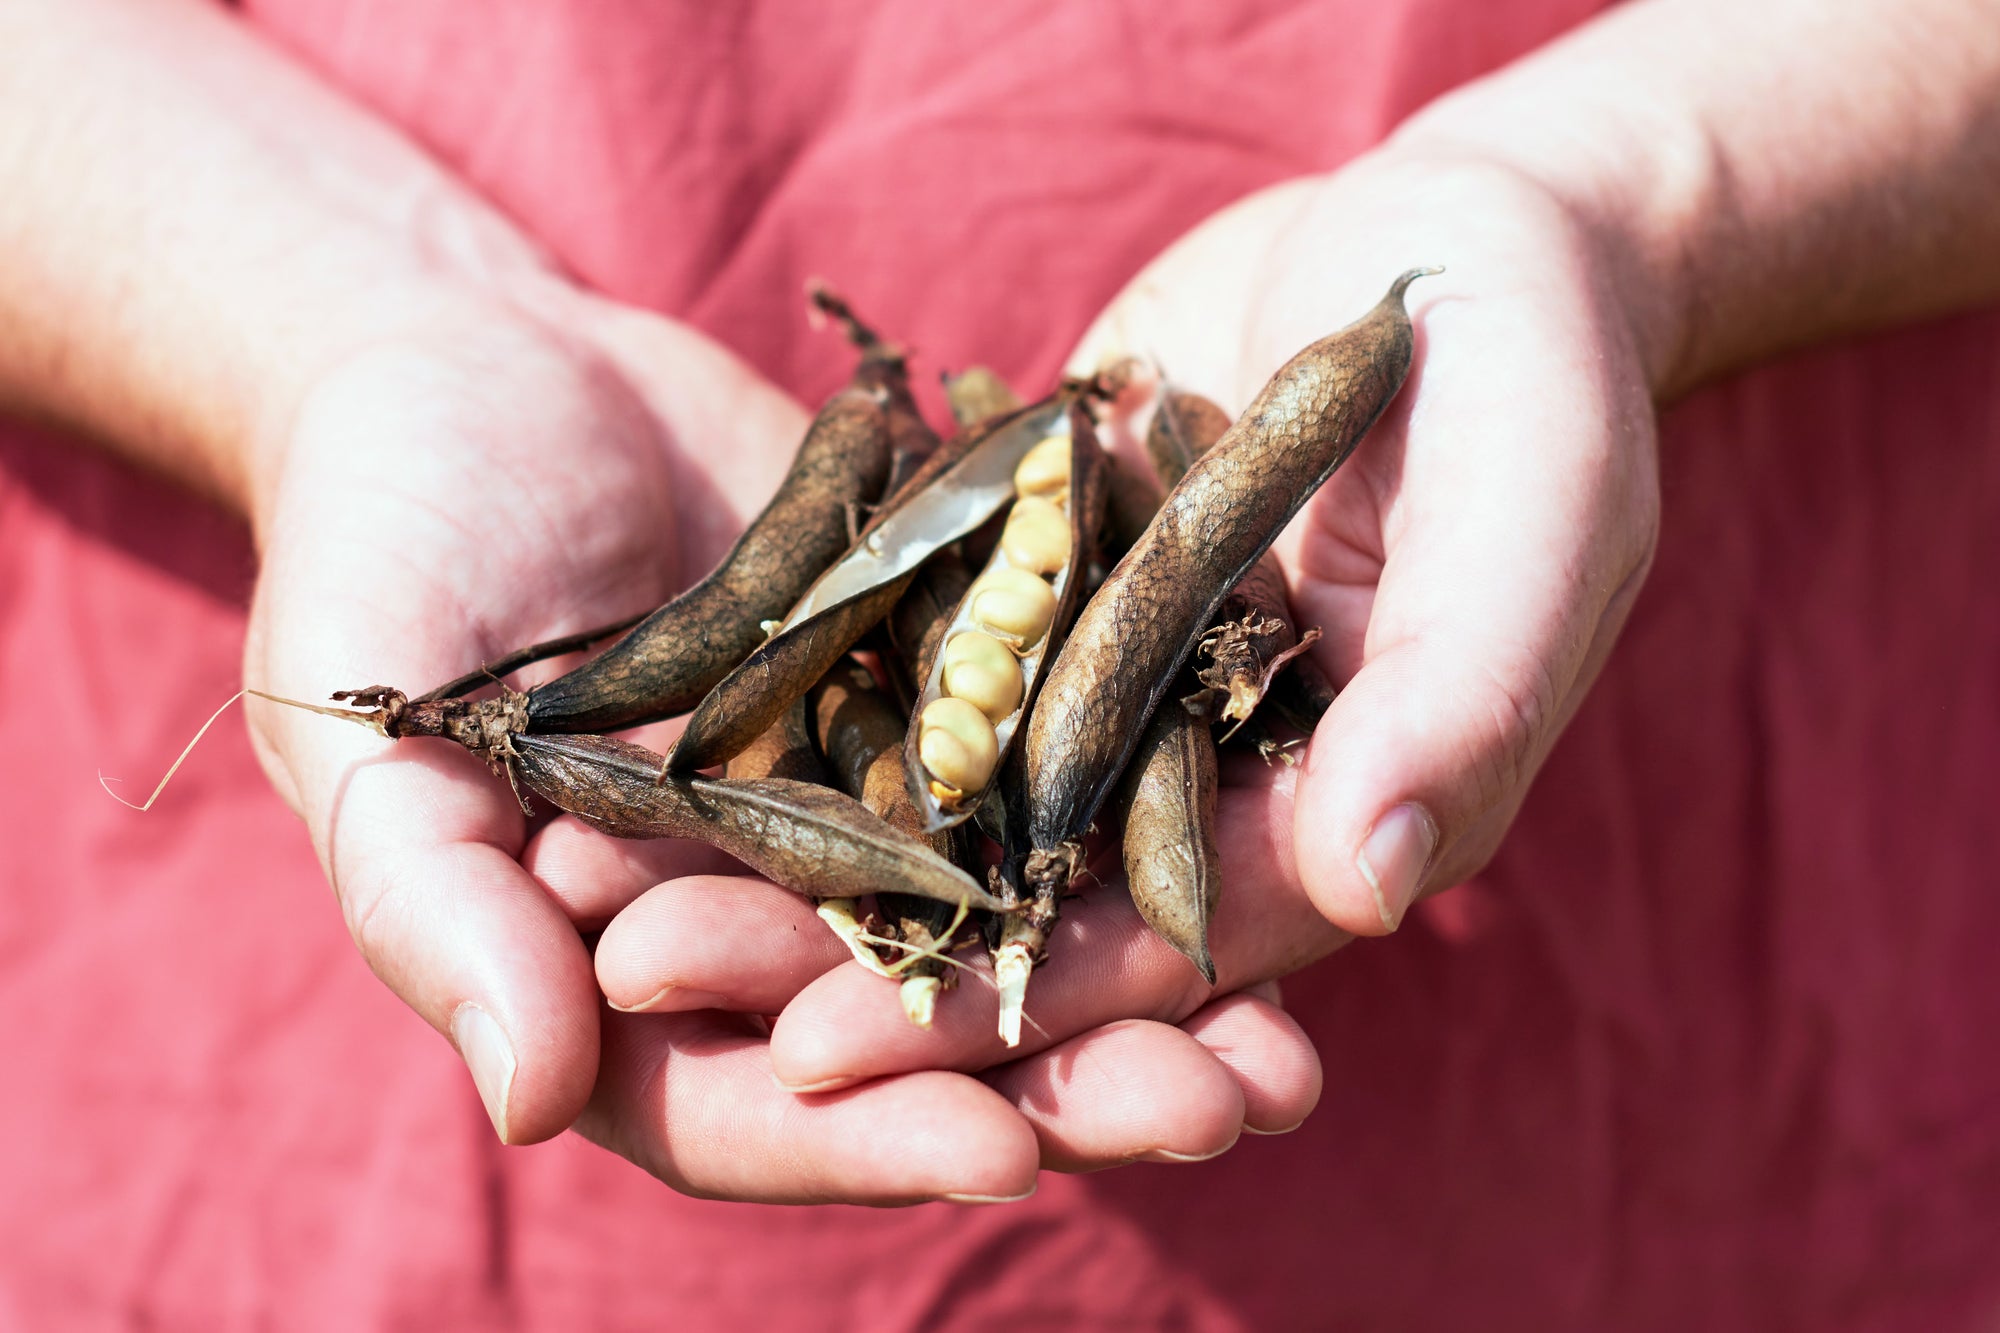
501,476
1470,568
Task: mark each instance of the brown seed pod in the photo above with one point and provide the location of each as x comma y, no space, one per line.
861,734
1167,801
1254,637
1133,499
957,489
1001,635
810,839
1132,638
785,750
976,393
884,366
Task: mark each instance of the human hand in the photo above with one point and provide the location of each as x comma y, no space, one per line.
1470,568
443,498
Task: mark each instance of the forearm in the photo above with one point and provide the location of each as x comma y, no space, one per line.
191,228
1763,176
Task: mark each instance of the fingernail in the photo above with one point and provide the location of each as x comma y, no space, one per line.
1271,1133
1393,858
487,1053
1162,1155
672,1000
981,1199
834,1084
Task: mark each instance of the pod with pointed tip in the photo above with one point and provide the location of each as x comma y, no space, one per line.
1132,638
1167,801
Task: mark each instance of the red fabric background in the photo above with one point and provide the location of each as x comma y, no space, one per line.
1710,1046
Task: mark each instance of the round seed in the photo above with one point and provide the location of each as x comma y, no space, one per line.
979,669
1013,604
1044,469
957,744
1037,536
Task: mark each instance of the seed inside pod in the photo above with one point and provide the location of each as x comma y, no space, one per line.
1037,535
957,746
1045,469
983,671
1015,605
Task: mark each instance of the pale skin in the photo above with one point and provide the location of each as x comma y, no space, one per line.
1637,209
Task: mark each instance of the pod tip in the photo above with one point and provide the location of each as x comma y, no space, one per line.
1402,284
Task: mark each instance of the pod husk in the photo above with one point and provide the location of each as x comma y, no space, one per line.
811,839
1126,647
1167,804
961,486
1086,516
977,394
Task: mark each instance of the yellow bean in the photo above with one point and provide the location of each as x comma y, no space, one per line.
1044,469
980,669
1013,605
957,745
1037,536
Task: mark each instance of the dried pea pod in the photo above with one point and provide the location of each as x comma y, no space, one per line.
810,839
918,621
962,485
1253,638
884,366
671,659
1122,654
992,653
861,734
1167,802
785,750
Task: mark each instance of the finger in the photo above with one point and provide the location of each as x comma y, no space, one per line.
1520,524
1104,964
690,1098
594,876
1272,1059
1128,1091
714,942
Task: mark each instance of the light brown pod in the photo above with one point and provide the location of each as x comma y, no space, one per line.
1168,803
976,394
1132,638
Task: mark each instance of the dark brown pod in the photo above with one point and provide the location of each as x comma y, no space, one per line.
956,490
810,839
1132,500
1254,637
1126,647
1168,804
884,366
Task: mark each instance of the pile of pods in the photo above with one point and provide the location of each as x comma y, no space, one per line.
923,748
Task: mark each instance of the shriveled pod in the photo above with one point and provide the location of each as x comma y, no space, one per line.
884,366
1129,642
861,734
961,486
669,660
1002,632
1254,637
811,839
1167,805
920,617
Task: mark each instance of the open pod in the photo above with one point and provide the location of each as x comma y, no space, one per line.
959,488
990,657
